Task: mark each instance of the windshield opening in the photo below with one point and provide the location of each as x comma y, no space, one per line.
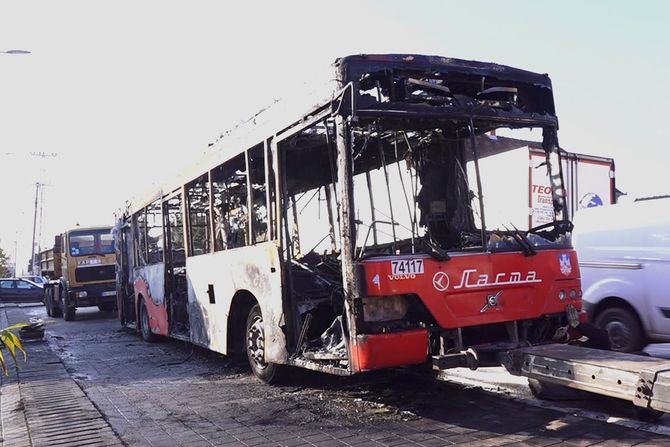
91,242
443,189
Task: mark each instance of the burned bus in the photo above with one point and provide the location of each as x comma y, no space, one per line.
356,235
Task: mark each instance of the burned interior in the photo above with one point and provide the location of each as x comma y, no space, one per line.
386,170
416,131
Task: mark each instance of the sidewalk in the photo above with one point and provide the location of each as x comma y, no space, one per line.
42,405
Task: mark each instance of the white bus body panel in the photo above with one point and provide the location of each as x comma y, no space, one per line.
256,269
154,276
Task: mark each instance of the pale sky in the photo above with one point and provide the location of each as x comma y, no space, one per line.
126,92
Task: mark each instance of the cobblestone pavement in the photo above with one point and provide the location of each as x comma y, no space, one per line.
172,394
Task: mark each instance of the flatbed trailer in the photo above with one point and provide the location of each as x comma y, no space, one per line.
642,380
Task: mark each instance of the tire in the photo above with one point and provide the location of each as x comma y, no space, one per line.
623,328
56,310
145,328
550,391
48,303
68,310
269,373
647,414
107,307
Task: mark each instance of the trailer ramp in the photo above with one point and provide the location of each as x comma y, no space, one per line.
645,381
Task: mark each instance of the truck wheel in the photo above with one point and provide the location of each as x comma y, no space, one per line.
270,373
550,391
68,309
107,307
48,303
56,311
623,329
145,327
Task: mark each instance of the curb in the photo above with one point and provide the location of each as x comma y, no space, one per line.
44,406
13,423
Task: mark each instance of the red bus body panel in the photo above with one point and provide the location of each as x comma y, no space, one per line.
455,291
158,318
370,352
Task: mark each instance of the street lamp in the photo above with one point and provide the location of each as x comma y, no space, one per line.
15,52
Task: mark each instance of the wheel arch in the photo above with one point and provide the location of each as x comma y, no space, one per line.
241,304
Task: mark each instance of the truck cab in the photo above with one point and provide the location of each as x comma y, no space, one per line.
86,275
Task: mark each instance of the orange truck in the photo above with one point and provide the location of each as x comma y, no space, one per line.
82,270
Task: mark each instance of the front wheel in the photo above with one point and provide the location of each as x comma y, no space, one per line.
268,372
623,329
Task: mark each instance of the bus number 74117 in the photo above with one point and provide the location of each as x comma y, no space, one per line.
407,267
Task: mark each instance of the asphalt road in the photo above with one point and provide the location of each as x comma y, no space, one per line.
171,393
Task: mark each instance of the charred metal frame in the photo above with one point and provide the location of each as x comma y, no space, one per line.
351,72
350,110
344,109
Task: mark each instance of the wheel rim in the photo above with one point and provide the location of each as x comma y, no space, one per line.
256,343
619,333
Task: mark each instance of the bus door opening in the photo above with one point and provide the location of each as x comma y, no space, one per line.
176,291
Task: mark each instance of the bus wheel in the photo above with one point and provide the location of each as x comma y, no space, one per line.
145,328
68,310
267,372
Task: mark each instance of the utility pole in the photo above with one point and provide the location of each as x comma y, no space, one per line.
16,251
32,246
38,186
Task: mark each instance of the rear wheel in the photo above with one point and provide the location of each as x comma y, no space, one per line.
106,307
68,308
56,309
623,328
48,303
145,327
267,372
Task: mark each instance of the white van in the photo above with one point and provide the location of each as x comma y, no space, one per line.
624,258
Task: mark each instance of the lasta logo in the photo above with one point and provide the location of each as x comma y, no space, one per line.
471,279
